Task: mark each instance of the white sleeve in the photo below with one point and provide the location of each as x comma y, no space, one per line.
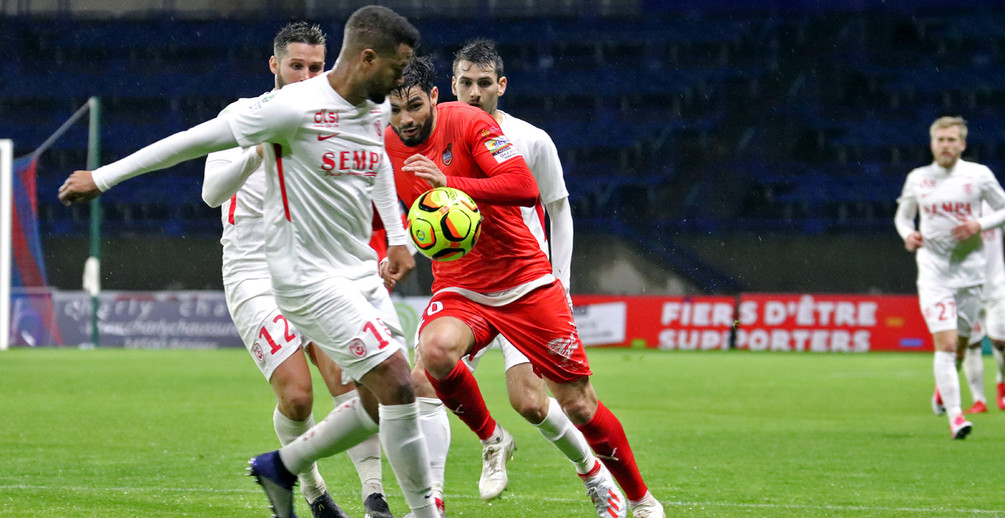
385,198
212,135
560,214
544,162
907,209
225,173
995,197
273,117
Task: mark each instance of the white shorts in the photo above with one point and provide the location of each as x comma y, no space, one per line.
353,321
511,355
994,319
267,335
977,331
946,309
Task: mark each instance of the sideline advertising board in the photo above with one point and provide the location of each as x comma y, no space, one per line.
756,322
831,323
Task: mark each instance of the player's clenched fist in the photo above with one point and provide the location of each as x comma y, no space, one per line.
78,187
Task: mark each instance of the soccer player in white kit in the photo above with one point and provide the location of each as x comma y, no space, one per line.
326,163
235,180
994,312
948,194
479,81
992,325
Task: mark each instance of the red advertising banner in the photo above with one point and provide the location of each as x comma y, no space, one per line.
756,322
686,323
831,323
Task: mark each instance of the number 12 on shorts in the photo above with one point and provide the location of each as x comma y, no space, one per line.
287,335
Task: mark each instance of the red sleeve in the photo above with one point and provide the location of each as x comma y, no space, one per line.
509,180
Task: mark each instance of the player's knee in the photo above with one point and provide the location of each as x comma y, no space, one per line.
296,403
391,382
580,410
438,355
532,411
530,401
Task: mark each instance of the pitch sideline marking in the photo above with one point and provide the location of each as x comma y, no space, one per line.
667,503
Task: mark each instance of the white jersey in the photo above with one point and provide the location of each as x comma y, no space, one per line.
323,159
242,215
944,198
541,155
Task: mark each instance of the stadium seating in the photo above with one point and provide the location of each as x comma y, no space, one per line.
799,120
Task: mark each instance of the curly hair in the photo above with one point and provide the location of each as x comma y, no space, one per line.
420,73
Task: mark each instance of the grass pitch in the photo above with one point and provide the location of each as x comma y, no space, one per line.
124,433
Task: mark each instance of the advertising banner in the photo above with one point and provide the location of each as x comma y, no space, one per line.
148,320
756,322
685,323
831,323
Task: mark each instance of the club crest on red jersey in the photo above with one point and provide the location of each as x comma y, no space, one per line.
448,154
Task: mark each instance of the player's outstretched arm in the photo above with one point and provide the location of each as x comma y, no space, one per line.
213,135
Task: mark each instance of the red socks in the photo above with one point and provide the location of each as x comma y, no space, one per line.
606,436
460,392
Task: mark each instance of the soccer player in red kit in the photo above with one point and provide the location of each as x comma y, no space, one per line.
504,285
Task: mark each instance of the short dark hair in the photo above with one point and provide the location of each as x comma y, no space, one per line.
481,52
419,73
379,28
297,32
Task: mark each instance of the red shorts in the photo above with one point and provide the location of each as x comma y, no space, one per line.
539,324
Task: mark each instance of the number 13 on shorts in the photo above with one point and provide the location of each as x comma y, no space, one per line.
374,336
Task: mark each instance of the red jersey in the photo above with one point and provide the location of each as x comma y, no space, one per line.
470,148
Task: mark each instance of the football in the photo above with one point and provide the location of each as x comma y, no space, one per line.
444,223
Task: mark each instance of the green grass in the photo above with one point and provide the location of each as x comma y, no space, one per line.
123,433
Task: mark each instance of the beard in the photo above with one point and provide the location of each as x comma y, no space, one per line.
421,136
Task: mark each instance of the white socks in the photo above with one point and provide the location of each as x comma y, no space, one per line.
365,456
311,484
495,437
405,448
558,429
435,426
948,382
345,427
1000,362
973,370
